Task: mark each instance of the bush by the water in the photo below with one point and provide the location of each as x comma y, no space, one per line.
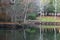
32,16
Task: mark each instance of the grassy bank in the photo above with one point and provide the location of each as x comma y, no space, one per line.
48,19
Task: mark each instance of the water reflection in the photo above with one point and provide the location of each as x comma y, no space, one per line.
31,34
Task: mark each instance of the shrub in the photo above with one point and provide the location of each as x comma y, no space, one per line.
32,16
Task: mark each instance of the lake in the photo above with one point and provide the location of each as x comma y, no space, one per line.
28,34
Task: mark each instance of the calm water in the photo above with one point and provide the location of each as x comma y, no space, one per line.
30,34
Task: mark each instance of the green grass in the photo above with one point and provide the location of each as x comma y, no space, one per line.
48,19
47,26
